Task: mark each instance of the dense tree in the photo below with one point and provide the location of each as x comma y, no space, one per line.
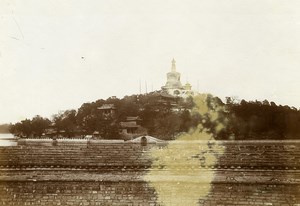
57,122
166,126
262,120
65,123
23,128
39,125
69,123
16,129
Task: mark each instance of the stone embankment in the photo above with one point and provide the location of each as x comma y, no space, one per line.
242,173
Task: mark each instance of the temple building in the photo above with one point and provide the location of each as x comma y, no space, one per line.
173,85
108,110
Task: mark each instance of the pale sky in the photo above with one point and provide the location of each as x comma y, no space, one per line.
57,54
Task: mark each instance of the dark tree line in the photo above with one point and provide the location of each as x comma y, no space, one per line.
165,117
262,120
158,118
35,127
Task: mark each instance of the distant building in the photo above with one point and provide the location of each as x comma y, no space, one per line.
130,125
167,99
108,110
173,85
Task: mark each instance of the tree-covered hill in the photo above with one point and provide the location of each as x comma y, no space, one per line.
165,116
161,115
262,120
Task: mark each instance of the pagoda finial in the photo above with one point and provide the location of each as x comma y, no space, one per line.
173,65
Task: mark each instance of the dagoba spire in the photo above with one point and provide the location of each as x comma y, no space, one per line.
173,85
173,65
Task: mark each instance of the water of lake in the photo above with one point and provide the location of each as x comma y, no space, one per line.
7,140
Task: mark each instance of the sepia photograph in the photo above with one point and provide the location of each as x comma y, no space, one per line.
150,103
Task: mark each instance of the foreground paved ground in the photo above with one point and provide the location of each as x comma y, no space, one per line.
180,173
